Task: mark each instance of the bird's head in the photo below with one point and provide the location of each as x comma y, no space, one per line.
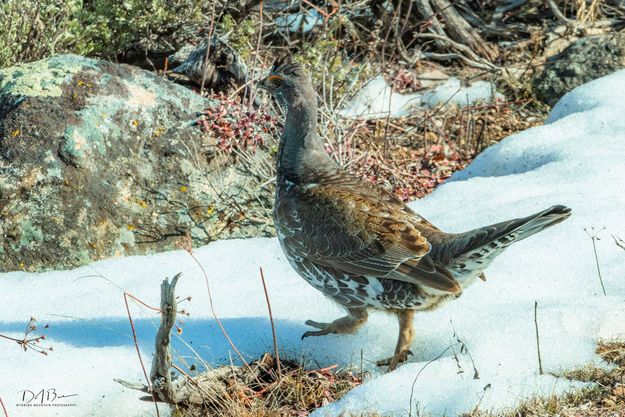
287,81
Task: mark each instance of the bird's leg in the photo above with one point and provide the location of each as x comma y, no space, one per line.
406,333
355,318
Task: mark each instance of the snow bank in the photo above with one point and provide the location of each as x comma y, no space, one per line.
576,160
377,100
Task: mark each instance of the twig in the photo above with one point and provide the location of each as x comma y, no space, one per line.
273,327
208,47
258,43
479,402
388,118
326,15
27,342
594,238
134,337
135,299
464,349
6,413
326,369
619,242
505,8
361,364
558,14
540,362
419,373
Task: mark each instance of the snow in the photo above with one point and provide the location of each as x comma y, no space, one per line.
377,100
300,22
451,92
575,159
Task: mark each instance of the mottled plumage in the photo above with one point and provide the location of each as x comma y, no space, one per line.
357,243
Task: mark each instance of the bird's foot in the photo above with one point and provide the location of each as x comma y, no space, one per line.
324,329
395,360
344,325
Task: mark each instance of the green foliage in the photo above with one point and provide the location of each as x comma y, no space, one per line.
112,25
240,35
35,29
324,59
32,29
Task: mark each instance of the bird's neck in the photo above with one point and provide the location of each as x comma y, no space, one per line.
301,156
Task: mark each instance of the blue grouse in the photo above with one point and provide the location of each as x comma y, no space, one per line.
357,243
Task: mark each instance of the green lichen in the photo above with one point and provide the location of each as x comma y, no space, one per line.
29,234
95,130
83,257
42,78
55,172
126,237
140,108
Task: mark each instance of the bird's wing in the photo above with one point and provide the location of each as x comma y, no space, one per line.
360,234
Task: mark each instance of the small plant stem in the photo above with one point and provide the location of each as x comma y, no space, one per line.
6,413
134,337
362,358
594,249
619,242
208,47
28,342
252,95
273,327
212,307
594,239
540,362
414,382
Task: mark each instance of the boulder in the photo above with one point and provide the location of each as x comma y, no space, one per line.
99,160
584,60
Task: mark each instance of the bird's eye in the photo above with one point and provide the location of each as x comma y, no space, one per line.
276,82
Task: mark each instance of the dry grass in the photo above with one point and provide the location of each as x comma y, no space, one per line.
413,155
260,391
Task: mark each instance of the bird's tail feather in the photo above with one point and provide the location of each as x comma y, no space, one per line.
491,240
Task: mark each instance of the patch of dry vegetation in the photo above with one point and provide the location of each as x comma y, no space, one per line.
413,155
261,390
604,397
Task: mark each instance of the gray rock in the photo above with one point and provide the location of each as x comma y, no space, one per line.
100,160
584,60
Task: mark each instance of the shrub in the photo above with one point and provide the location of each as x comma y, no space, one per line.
35,29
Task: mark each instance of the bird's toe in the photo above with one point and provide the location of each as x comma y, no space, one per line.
395,360
316,333
324,329
316,324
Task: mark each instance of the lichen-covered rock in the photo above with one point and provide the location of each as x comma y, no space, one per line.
584,60
99,160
